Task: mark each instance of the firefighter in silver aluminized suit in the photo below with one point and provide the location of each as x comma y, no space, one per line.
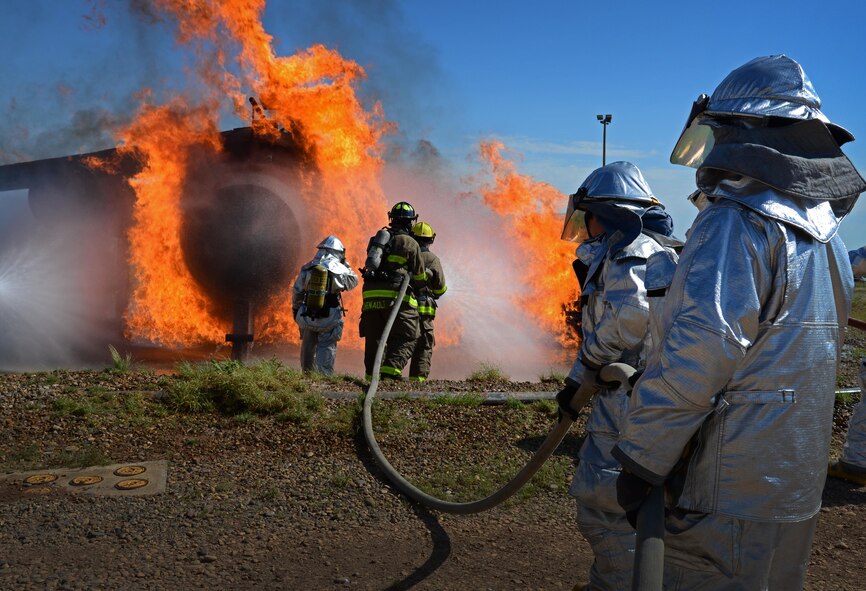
735,408
852,465
321,326
621,224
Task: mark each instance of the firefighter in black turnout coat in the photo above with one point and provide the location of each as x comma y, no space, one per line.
419,368
392,253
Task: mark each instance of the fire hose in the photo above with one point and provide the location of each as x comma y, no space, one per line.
617,372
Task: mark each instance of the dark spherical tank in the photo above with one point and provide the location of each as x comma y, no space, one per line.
240,241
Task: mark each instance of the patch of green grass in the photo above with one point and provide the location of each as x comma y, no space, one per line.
224,486
468,399
338,378
120,363
858,303
101,403
21,459
340,479
43,379
346,417
846,398
548,407
514,403
487,372
388,418
244,417
551,376
468,483
267,387
87,455
73,406
553,476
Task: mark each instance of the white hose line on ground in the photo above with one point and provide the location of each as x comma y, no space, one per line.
581,398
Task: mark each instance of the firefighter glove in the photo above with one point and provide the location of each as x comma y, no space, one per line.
632,492
564,398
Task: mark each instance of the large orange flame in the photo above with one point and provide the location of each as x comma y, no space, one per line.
313,92
532,212
166,306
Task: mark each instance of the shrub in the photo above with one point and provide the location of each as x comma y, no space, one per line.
487,372
120,364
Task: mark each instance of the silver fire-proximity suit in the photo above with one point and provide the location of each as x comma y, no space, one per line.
854,452
614,326
320,332
852,465
735,408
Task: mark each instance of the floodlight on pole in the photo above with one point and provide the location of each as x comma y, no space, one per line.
604,120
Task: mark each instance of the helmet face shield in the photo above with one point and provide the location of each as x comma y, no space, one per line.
574,229
694,145
697,138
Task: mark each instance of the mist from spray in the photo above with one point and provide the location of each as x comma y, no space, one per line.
58,291
479,319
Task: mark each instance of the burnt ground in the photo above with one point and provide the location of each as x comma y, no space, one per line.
270,502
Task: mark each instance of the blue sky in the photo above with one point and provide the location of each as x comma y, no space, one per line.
532,74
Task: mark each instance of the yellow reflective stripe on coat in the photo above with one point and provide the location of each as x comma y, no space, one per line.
391,371
380,293
374,294
396,258
439,292
427,310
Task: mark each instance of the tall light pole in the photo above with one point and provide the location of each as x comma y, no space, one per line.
604,120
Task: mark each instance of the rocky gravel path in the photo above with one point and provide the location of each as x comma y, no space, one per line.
254,502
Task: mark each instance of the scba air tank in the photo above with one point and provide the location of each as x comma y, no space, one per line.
317,288
376,248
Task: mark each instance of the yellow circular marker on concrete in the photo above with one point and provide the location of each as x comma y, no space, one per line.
40,478
37,490
131,483
130,471
85,480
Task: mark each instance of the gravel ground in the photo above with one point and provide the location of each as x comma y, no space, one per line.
253,502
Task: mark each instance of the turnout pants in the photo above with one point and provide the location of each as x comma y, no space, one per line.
420,366
401,340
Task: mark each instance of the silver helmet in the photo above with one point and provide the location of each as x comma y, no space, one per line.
332,243
767,87
617,185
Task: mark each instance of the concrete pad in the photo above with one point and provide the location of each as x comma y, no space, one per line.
131,479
